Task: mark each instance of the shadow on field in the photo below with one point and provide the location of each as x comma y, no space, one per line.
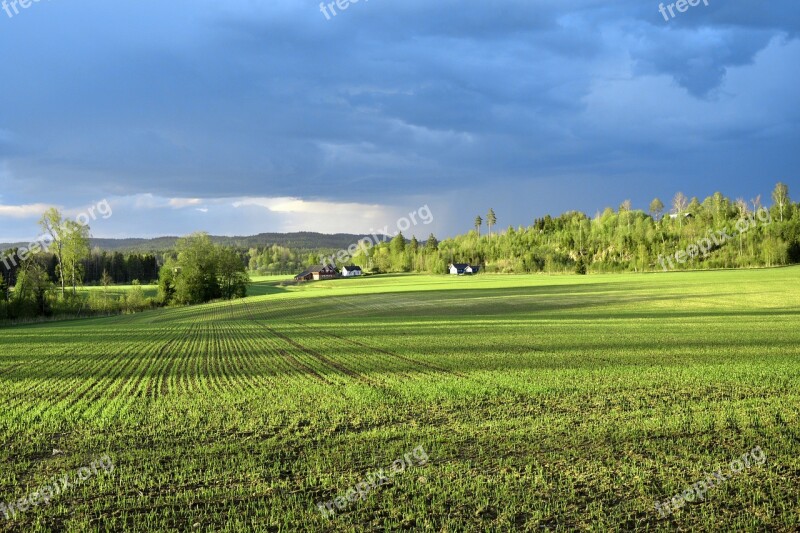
506,301
267,288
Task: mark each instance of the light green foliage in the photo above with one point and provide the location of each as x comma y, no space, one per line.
278,260
75,249
135,298
196,275
543,402
69,242
202,272
166,281
231,273
30,292
51,224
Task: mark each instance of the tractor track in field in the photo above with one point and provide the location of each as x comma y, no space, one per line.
322,358
390,354
11,369
292,360
405,373
300,366
428,367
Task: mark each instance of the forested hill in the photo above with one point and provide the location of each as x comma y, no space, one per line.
303,240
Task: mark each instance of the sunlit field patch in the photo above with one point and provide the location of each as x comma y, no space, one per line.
557,402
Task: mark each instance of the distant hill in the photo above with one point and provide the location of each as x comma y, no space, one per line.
303,240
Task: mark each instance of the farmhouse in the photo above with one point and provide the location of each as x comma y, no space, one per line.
317,272
351,271
460,269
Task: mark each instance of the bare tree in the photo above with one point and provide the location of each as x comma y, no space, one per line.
781,196
756,203
679,205
741,208
625,207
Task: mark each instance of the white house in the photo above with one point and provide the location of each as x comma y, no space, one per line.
351,271
458,269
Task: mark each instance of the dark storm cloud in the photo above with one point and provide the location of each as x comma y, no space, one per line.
388,98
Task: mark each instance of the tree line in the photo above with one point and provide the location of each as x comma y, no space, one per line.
120,267
621,240
43,279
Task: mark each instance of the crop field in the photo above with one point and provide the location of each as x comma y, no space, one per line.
540,403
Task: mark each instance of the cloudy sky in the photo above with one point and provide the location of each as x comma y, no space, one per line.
240,117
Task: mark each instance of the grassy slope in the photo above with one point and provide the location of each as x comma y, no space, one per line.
559,402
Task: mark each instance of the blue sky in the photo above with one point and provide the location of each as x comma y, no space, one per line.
241,117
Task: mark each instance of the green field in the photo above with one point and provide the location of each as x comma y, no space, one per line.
542,403
119,290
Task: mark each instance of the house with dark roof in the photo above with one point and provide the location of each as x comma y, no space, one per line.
460,269
317,272
350,271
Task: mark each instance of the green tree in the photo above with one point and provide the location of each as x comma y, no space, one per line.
398,245
397,248
580,266
51,224
196,275
478,224
134,298
75,249
3,297
656,208
491,220
166,282
32,286
202,272
431,245
232,275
